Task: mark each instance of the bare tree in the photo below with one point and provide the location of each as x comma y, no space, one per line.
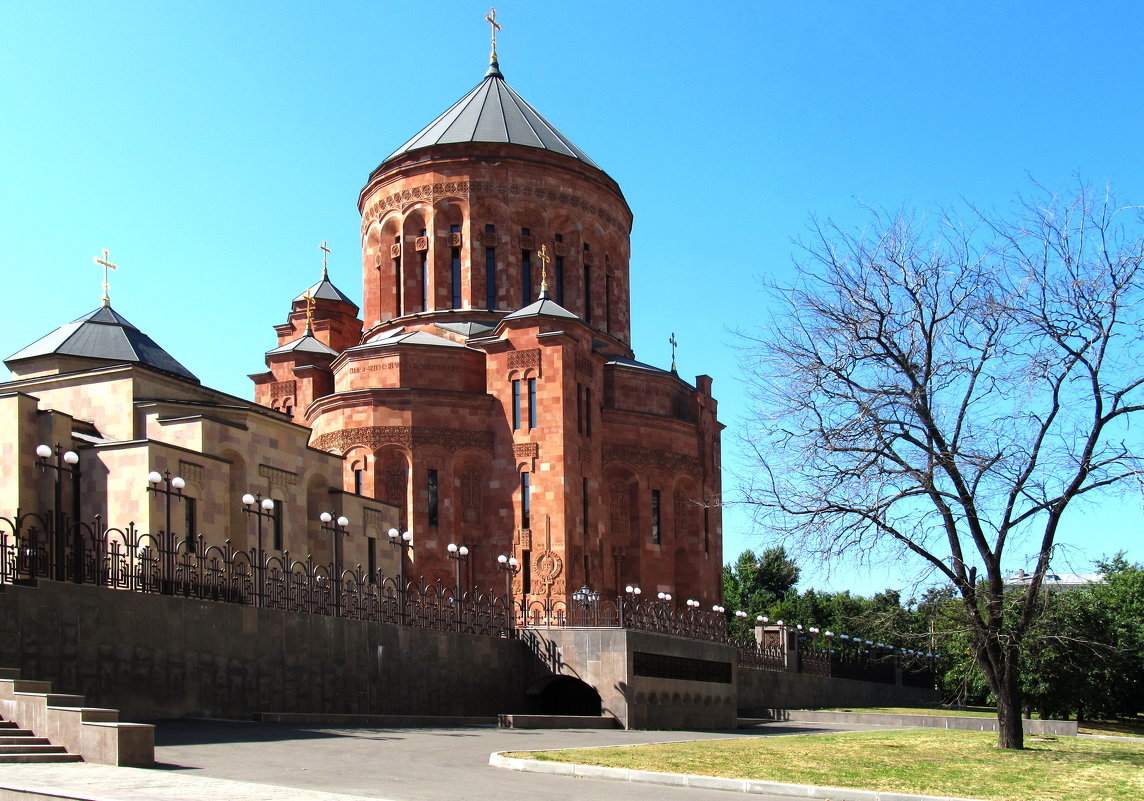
951,394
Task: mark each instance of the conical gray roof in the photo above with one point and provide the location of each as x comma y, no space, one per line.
107,335
493,112
325,290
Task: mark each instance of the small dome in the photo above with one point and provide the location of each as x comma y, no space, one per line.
493,112
106,335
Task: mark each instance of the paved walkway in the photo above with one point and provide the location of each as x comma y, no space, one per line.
200,760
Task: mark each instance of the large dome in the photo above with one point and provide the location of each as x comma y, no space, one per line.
493,112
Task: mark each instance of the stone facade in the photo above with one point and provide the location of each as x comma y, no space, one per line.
126,420
495,420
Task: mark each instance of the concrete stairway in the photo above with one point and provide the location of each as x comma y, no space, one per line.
79,731
21,745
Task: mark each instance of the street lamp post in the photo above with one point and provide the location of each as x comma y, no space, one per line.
337,530
65,462
261,508
633,595
511,567
404,541
172,488
459,554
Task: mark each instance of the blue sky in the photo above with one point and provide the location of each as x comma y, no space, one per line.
212,145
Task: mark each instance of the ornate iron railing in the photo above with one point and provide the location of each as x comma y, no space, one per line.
126,559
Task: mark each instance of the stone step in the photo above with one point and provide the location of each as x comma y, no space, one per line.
11,731
27,739
32,749
12,759
9,673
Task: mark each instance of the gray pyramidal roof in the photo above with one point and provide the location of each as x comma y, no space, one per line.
107,335
493,112
307,343
325,290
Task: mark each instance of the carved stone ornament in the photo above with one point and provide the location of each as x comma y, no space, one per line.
373,517
560,249
524,359
192,473
282,479
527,243
455,240
489,239
395,251
374,437
421,244
524,538
652,457
526,450
282,389
547,567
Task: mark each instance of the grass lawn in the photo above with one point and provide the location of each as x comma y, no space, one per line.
928,762
1121,728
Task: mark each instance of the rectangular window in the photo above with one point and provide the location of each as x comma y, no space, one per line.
526,277
531,403
358,477
526,571
397,280
516,405
588,293
607,302
432,493
525,501
276,530
424,277
579,408
455,272
587,285
559,277
587,411
490,273
190,522
371,559
655,517
584,504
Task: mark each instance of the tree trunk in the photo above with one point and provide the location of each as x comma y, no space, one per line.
1010,728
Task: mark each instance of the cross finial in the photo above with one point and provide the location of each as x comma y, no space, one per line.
106,266
492,20
310,303
674,343
325,252
542,254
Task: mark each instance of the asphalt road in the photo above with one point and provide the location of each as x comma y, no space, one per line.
418,764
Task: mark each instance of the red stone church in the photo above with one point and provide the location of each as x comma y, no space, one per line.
488,387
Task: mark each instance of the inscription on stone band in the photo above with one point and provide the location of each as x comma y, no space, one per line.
662,666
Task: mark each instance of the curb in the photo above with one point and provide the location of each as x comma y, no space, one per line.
498,760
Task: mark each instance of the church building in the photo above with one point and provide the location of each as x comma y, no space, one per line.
487,387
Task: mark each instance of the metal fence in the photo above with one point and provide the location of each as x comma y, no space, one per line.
35,547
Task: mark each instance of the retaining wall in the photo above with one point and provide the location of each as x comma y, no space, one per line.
155,656
761,691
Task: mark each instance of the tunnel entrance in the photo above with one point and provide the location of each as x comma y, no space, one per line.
562,695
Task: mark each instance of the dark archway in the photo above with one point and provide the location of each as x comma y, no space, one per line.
562,695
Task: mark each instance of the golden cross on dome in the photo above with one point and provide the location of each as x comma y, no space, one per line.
542,254
106,266
673,342
325,252
492,20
